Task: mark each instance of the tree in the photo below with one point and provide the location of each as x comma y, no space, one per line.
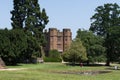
28,16
16,46
114,40
76,52
106,16
12,45
18,14
93,45
32,50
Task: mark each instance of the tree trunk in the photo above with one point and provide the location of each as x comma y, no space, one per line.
42,52
107,42
107,63
88,62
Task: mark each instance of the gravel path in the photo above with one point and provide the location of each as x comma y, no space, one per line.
11,69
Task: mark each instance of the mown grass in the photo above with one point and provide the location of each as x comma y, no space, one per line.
51,71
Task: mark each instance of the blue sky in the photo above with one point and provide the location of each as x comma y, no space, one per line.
73,14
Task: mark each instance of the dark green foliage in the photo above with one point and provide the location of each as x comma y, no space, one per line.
49,59
54,56
18,14
114,42
16,46
28,16
105,18
76,52
32,50
12,44
35,20
93,45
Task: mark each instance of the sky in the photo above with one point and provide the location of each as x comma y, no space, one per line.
73,14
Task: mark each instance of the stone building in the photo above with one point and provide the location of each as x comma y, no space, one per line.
57,40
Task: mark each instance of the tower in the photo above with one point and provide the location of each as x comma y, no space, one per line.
57,40
52,38
60,41
67,38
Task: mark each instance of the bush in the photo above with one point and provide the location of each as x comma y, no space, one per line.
49,59
54,56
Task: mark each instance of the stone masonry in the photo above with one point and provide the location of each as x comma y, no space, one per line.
57,40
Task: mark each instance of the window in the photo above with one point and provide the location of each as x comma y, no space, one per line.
58,38
58,46
51,39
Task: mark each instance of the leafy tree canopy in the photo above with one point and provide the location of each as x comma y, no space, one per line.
93,45
106,18
76,52
28,16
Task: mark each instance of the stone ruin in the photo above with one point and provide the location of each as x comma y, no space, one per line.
2,64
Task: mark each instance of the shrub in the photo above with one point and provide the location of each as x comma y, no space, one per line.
54,56
49,59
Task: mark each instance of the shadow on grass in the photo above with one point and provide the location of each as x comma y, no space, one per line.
113,68
84,64
84,72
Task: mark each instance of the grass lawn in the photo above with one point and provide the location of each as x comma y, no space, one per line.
57,71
